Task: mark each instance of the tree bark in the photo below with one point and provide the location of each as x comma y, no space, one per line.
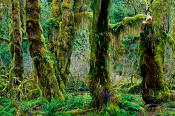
53,44
38,51
99,75
66,37
152,52
16,39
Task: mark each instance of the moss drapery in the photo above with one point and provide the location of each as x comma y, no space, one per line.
38,51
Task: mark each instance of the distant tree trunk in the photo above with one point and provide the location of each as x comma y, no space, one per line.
17,69
99,76
53,44
66,37
38,51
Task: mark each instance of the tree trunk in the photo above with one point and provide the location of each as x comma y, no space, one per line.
99,75
17,69
53,44
152,52
66,37
39,52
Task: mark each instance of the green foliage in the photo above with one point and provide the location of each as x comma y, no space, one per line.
5,58
121,9
81,41
52,22
6,107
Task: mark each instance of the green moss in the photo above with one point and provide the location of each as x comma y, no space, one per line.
134,20
52,22
163,95
56,9
43,64
136,88
161,9
66,5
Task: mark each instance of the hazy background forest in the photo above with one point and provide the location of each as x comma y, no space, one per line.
125,18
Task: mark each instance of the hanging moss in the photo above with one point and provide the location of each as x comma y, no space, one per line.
161,9
38,52
129,25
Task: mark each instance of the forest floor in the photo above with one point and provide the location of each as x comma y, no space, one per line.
130,105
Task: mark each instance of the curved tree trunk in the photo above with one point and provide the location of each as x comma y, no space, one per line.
16,41
38,51
99,75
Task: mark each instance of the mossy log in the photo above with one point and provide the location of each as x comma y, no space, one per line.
38,51
99,76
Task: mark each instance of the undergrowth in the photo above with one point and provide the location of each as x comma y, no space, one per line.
130,105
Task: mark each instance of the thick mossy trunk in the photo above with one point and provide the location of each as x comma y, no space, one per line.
152,52
38,51
99,79
53,44
66,37
17,69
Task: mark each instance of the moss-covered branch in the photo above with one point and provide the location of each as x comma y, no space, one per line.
129,26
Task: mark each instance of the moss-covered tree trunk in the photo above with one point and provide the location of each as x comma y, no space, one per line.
99,75
66,37
53,44
22,16
38,51
152,52
17,69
